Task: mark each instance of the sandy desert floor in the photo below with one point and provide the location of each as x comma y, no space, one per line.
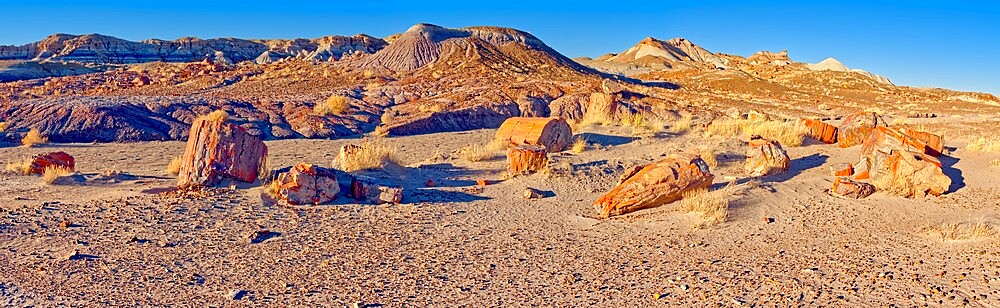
130,241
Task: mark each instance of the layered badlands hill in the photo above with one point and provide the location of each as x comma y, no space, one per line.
429,79
426,79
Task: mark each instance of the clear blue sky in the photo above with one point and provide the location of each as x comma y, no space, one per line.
951,44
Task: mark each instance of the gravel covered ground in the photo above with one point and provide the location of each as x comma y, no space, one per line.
133,241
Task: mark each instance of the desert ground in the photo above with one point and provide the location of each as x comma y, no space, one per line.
131,239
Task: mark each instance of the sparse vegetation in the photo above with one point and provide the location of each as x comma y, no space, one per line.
579,145
708,155
787,133
713,206
4,126
217,116
53,173
374,153
682,125
984,145
174,168
479,152
334,105
272,189
995,163
21,167
964,231
34,137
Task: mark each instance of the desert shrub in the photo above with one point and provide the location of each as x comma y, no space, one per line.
334,105
20,167
272,189
480,152
53,173
995,163
713,206
174,167
984,145
34,137
373,154
4,126
387,116
579,145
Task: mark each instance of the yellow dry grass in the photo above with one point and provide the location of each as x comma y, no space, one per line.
964,231
4,126
682,125
21,167
53,173
174,167
712,206
984,145
272,189
373,154
579,145
480,152
217,116
787,133
34,137
995,163
708,155
334,105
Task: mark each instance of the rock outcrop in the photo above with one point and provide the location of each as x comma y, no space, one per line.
765,157
51,160
307,184
217,150
554,134
820,131
655,184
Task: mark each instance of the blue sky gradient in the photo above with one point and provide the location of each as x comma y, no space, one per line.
949,44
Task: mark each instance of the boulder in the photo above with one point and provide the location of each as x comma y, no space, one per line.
308,184
886,139
525,159
935,144
533,107
552,133
765,157
856,128
373,191
216,149
656,184
820,131
910,174
848,188
55,159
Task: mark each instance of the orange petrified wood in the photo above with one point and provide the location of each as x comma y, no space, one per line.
856,128
821,131
885,139
934,142
655,184
216,149
54,159
552,133
526,159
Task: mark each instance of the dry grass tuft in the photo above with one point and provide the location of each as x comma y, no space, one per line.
53,173
34,137
984,145
579,145
217,116
964,231
374,153
712,205
272,189
4,126
683,124
22,167
174,168
788,133
334,105
995,163
708,155
478,152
